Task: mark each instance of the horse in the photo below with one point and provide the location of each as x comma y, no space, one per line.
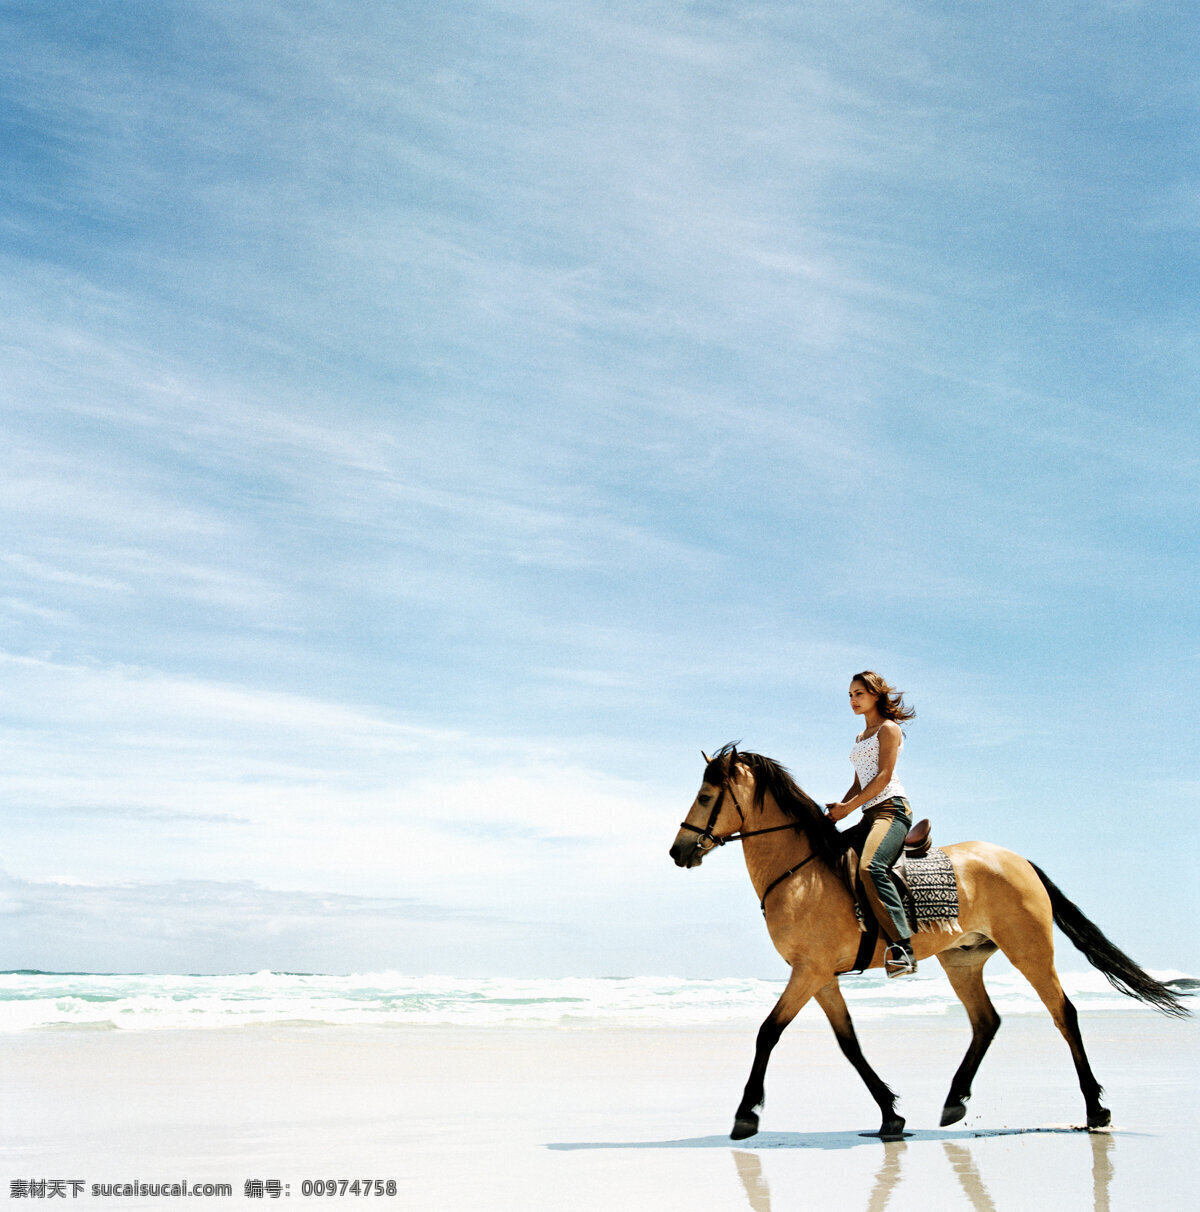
1006,904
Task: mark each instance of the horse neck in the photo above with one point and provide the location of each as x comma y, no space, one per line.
770,854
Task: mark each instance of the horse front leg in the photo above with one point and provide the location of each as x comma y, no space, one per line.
800,987
831,1001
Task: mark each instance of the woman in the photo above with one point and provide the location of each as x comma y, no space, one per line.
887,817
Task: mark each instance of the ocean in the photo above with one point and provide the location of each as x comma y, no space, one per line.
31,1001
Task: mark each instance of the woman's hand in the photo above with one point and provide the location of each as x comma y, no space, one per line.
838,811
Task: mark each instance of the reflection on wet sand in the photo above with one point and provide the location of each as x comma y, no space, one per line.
962,1161
750,1171
888,1176
1102,1169
968,1176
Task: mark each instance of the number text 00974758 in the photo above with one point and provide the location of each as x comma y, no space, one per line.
348,1186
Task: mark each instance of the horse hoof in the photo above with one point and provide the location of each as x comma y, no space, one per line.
1100,1118
742,1128
952,1113
892,1129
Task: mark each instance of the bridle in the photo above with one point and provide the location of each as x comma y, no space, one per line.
708,840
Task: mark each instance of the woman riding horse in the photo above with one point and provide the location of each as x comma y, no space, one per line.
887,817
1006,904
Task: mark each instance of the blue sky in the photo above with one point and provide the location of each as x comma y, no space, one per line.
428,426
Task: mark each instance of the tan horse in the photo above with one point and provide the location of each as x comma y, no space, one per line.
1005,904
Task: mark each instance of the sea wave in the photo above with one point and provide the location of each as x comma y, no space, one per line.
41,1000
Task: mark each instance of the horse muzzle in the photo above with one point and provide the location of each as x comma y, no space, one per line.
689,849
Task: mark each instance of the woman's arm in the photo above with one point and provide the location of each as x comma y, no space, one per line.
889,751
839,810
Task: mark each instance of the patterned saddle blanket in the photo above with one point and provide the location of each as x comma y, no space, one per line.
928,892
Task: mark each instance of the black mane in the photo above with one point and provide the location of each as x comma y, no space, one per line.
793,801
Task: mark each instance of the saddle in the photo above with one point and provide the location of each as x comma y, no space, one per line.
919,839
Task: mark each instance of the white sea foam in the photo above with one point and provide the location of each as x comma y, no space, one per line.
30,1001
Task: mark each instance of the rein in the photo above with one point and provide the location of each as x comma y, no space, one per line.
740,835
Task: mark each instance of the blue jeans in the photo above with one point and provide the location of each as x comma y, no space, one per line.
887,825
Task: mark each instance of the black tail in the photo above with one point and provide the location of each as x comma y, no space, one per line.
1121,971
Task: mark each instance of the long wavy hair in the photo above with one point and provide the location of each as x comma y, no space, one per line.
793,801
889,701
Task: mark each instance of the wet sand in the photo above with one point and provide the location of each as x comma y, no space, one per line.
545,1118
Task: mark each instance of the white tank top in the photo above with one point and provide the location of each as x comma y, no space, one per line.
865,758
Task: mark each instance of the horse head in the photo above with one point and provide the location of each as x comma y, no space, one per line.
716,812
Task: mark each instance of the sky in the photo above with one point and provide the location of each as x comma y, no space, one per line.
426,427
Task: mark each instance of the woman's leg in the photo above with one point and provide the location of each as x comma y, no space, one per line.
885,841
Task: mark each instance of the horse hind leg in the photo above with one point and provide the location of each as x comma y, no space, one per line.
1035,961
1067,1021
830,1000
965,971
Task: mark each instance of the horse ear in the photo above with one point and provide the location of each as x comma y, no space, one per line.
707,759
733,756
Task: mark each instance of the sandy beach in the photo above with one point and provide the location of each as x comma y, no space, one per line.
611,1118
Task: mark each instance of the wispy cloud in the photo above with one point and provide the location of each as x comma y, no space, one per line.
214,926
123,771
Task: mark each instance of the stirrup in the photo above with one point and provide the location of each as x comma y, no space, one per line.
898,960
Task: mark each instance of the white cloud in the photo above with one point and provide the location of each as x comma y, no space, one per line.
113,773
201,925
